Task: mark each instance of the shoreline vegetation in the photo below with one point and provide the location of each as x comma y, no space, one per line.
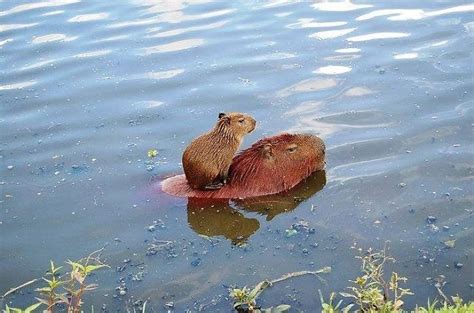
372,291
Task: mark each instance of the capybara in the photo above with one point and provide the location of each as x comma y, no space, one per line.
207,159
269,166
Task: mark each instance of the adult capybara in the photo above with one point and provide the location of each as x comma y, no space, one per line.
207,159
269,166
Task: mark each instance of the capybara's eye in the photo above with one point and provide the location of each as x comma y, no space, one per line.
292,148
242,120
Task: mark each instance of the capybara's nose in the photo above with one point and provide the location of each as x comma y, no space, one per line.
254,124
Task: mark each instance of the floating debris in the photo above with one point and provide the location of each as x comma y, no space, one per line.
196,262
431,219
450,243
303,226
158,223
152,153
458,265
10,167
122,288
161,245
290,232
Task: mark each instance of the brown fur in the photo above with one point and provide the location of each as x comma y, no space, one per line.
269,166
207,159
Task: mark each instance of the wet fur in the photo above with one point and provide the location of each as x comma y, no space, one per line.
207,159
264,168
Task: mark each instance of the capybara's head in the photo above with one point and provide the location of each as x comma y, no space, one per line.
277,163
239,124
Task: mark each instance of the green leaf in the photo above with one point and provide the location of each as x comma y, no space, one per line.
152,153
76,265
347,309
91,268
281,308
347,295
32,307
47,280
258,289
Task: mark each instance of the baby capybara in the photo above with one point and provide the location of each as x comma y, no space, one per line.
207,159
269,166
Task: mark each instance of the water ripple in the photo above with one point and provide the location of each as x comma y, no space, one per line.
332,70
413,14
179,31
37,5
17,85
308,85
4,28
376,36
341,6
329,34
52,38
173,46
310,23
88,17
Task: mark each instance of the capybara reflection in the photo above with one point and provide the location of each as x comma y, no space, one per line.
230,218
216,217
269,166
207,159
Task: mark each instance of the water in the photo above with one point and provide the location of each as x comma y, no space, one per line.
87,88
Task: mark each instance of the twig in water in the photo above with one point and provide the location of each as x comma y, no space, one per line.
19,287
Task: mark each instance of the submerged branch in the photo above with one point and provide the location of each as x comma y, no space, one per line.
12,290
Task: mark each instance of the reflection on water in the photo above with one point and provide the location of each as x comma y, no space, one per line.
211,217
88,87
174,46
375,36
308,85
339,6
329,34
332,70
88,17
52,37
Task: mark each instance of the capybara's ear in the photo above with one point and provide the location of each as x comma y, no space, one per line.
267,151
224,119
221,115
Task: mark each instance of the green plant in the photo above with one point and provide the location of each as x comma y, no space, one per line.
29,309
245,299
371,292
457,306
330,307
67,289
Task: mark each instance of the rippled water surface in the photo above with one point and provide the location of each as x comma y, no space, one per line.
88,87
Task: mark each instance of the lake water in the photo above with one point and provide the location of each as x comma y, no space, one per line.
88,87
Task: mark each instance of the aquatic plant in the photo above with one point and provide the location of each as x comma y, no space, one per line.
67,289
245,299
371,292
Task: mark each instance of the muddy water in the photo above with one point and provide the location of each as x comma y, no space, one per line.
87,88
